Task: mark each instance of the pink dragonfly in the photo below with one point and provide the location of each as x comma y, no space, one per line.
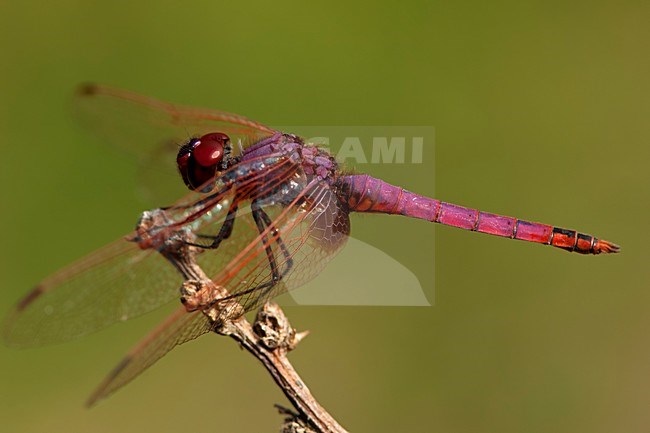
266,212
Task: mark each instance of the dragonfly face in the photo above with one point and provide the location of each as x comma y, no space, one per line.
202,159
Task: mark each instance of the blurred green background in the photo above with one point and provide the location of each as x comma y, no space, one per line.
541,111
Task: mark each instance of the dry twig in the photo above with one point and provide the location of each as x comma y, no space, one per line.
269,340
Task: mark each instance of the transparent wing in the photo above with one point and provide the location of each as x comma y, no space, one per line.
301,239
178,328
152,131
120,280
308,231
116,282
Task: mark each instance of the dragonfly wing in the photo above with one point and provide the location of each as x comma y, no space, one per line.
302,237
139,124
116,282
178,328
152,131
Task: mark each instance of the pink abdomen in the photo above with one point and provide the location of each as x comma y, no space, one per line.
364,193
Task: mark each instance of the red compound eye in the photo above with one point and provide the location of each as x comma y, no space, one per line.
198,160
208,151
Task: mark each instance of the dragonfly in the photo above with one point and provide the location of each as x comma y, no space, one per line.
265,212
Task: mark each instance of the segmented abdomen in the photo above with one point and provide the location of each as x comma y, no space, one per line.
364,193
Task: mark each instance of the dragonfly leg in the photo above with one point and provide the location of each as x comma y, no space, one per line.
283,247
224,232
263,221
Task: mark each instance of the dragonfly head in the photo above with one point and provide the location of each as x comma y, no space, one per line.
201,160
